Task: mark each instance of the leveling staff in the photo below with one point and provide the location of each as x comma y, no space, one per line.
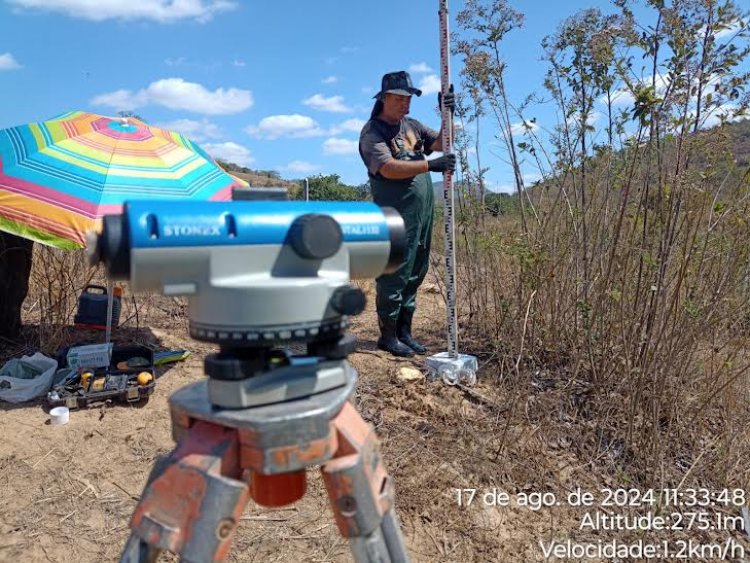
394,148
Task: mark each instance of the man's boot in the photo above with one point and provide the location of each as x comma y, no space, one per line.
388,340
403,332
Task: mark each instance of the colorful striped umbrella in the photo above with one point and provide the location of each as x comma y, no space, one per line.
59,177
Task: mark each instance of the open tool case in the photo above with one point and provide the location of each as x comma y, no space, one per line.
116,382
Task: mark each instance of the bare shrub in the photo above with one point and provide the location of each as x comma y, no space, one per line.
57,279
619,292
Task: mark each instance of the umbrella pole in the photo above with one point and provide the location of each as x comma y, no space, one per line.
110,303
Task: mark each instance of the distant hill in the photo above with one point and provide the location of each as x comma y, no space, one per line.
263,181
437,188
740,133
259,178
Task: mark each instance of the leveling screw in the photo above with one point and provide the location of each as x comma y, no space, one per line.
224,529
347,505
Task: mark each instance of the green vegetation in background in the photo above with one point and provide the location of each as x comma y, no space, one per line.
498,204
623,280
331,188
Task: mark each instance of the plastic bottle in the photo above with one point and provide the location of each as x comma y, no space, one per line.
449,374
468,376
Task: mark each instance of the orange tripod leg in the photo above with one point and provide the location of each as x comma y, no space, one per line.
361,492
195,496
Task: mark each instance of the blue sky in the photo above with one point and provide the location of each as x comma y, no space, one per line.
281,85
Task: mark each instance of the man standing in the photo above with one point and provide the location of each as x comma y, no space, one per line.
394,148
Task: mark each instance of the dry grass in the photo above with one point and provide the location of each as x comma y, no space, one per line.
576,390
67,492
638,363
58,278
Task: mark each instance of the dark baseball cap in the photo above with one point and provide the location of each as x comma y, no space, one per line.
397,83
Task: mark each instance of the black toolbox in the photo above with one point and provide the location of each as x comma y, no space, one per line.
116,383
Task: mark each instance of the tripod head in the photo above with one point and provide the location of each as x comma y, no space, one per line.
256,274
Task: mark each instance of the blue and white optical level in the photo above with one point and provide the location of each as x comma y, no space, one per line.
255,272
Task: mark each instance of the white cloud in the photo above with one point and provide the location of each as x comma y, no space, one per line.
430,84
230,152
594,116
510,187
197,131
277,126
162,11
169,61
724,112
7,62
623,97
296,126
119,99
420,67
184,62
591,118
330,80
502,188
239,63
619,98
337,146
300,167
729,31
530,178
333,104
352,124
522,128
661,82
177,94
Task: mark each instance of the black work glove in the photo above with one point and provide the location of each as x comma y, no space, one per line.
445,163
449,100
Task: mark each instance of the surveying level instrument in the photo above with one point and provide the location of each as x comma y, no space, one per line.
260,276
451,366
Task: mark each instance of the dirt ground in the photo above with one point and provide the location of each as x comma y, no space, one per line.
67,492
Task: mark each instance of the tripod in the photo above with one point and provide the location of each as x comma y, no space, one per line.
250,431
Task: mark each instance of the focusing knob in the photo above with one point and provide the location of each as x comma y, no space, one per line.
315,236
348,300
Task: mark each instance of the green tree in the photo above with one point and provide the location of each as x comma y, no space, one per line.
331,188
582,63
486,23
498,204
132,114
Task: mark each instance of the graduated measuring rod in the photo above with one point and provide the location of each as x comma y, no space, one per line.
451,366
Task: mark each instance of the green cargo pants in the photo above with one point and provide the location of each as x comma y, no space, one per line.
414,200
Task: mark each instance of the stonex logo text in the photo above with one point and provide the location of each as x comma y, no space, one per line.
192,230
